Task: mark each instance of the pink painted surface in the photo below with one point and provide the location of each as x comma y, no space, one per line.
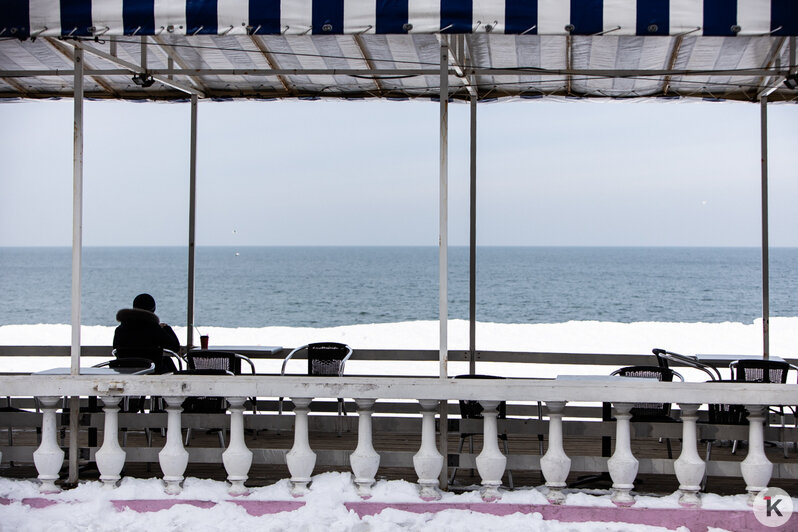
155,505
258,508
695,519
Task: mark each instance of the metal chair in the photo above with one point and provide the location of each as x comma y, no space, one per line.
223,360
651,412
473,410
324,359
205,405
764,371
131,405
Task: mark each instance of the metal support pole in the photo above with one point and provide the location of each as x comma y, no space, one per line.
765,244
77,253
472,247
443,244
192,208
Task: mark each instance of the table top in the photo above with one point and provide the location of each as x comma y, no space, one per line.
269,349
95,371
588,377
727,359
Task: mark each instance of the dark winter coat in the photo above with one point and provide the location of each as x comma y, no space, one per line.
140,334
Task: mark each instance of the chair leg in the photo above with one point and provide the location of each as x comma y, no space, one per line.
188,436
734,447
507,453
670,451
471,449
221,438
459,450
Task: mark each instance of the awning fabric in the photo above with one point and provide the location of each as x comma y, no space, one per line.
83,18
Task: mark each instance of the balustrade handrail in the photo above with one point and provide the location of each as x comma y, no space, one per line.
617,390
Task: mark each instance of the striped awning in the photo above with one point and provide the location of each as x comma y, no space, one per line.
230,49
85,18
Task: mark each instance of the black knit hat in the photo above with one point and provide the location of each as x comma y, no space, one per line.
144,302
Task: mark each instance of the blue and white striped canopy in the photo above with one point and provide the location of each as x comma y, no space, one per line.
25,18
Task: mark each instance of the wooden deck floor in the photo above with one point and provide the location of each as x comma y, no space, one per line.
267,474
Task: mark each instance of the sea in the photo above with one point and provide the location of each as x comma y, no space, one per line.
338,286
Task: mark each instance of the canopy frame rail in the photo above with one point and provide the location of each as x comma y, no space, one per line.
136,69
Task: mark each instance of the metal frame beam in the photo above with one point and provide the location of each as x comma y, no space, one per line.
258,42
62,50
381,72
163,78
171,53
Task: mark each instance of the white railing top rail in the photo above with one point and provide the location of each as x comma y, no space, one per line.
601,389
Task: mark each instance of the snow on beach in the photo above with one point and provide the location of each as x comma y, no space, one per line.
569,337
89,506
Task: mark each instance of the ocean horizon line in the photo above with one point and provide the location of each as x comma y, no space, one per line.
398,246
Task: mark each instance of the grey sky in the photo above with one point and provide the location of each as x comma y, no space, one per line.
366,173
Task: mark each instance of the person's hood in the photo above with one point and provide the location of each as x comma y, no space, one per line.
127,315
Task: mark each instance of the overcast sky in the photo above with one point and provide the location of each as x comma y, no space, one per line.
366,173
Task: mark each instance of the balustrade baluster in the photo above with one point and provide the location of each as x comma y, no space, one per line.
300,459
490,462
555,464
365,461
622,464
110,457
237,458
689,466
756,468
49,457
428,461
173,457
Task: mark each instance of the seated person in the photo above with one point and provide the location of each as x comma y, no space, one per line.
140,334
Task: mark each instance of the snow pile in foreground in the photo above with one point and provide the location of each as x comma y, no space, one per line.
89,507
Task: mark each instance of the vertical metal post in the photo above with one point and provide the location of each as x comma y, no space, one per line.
77,255
192,208
443,244
472,247
763,106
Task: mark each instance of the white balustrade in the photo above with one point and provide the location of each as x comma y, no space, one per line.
365,461
622,464
490,462
110,457
300,459
49,457
756,468
428,461
689,466
173,457
555,464
237,458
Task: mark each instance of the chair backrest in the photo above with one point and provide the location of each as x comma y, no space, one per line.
327,358
214,360
722,414
772,371
643,411
472,409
